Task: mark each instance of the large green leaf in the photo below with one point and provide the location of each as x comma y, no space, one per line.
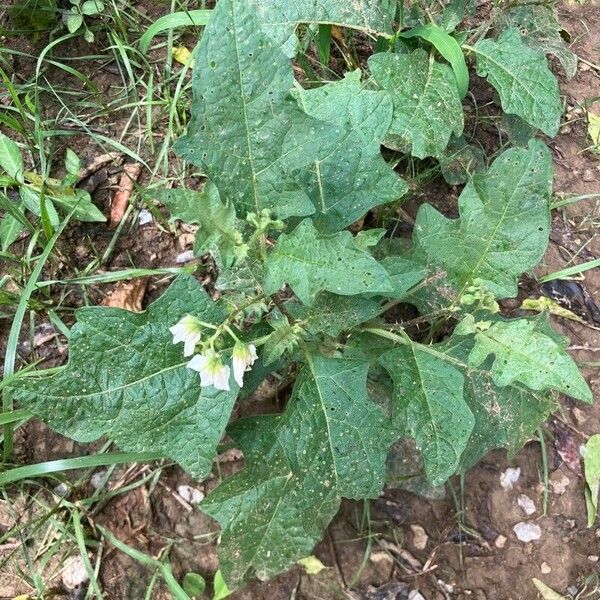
540,28
311,262
429,404
279,19
427,107
521,76
330,442
354,177
249,134
530,352
505,417
125,379
503,226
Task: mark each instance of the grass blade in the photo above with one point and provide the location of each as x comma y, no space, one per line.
192,18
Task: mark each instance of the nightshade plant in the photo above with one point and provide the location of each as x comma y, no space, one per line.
288,170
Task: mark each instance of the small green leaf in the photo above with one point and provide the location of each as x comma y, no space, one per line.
312,565
11,160
194,585
85,209
73,21
331,441
530,352
10,228
219,228
92,7
427,107
127,380
220,587
311,262
31,200
521,76
591,461
284,338
72,163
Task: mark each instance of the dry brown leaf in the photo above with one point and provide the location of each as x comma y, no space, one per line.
131,172
127,295
97,163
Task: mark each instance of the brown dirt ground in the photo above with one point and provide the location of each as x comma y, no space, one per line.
470,549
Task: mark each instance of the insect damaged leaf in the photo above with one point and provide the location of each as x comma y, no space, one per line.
520,75
427,107
253,140
503,226
330,442
126,379
311,262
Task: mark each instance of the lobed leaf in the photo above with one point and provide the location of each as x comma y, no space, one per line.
311,262
330,442
521,76
427,107
125,379
253,140
503,226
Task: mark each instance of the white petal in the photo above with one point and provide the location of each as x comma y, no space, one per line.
178,332
221,381
239,368
253,354
198,363
206,378
190,345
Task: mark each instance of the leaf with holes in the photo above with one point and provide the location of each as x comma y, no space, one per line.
331,442
311,262
521,76
126,379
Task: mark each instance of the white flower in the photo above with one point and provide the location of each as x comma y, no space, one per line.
212,370
243,359
188,331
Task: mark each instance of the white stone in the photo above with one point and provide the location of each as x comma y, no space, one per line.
97,478
184,257
419,537
145,217
74,574
527,532
500,541
510,477
545,568
190,494
526,503
62,490
415,595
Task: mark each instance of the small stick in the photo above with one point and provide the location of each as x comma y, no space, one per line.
131,172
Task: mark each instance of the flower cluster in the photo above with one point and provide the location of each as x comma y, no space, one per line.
208,363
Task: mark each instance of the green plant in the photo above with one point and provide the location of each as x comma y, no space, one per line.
41,196
289,169
75,17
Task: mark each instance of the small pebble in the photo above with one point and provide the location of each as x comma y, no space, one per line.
62,490
566,130
527,532
559,482
593,558
380,556
97,478
584,67
189,494
526,503
415,595
588,175
145,217
419,537
74,573
500,541
545,568
572,590
184,257
579,416
510,477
